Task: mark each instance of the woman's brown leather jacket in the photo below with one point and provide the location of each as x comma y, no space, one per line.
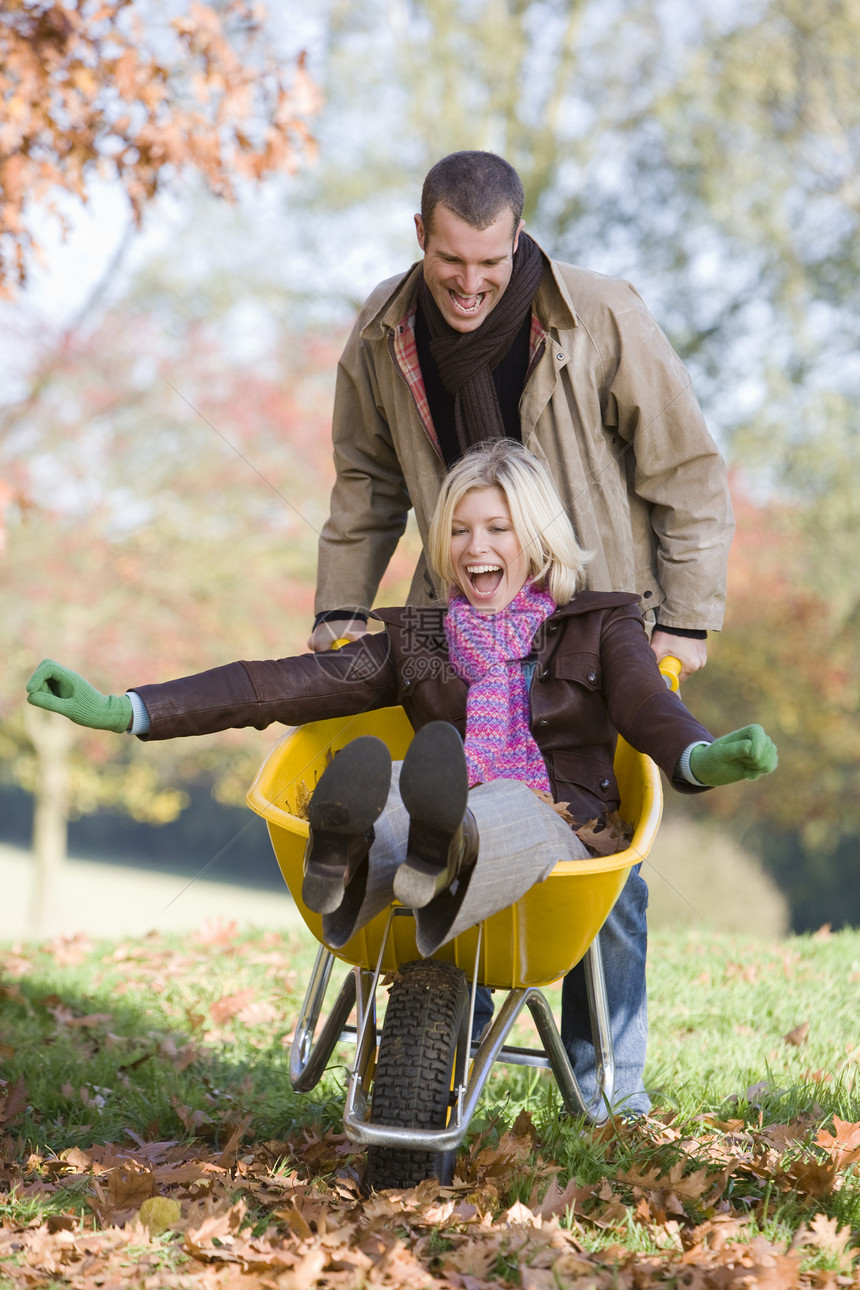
594,675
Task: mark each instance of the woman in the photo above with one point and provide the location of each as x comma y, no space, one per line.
517,690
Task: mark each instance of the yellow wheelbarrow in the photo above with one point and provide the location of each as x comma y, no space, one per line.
413,1088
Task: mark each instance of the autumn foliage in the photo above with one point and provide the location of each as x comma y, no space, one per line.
788,659
177,1159
166,522
105,88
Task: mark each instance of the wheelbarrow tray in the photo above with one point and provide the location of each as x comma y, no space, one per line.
532,942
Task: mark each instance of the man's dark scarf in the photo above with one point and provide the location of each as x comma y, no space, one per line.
466,360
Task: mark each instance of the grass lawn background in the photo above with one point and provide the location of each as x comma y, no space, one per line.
153,1069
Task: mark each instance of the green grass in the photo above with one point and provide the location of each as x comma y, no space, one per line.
108,1048
720,1009
730,1013
137,1038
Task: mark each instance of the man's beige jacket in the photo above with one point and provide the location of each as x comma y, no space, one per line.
607,406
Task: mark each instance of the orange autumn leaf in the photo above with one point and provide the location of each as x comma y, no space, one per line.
120,1192
230,1005
13,1100
810,1176
827,1235
842,1144
88,93
798,1036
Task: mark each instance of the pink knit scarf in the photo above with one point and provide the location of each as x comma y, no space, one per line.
487,651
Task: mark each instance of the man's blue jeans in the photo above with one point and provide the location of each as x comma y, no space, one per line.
624,945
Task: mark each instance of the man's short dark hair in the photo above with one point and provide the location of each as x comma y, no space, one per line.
475,186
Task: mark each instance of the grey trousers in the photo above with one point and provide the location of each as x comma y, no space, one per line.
521,839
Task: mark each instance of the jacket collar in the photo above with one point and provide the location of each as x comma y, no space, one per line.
584,602
552,304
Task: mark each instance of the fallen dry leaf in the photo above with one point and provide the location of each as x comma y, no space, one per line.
826,1234
223,1009
679,1203
843,1144
809,1176
119,1192
606,836
13,1100
260,1012
217,931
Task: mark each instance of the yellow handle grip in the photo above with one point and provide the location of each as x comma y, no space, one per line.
344,640
670,670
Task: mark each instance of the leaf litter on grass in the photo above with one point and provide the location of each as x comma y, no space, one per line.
705,1202
291,1213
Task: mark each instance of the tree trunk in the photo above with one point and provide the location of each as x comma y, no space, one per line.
52,739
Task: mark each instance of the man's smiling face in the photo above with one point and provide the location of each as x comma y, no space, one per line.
467,269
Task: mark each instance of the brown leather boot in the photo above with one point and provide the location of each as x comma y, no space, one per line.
349,797
443,834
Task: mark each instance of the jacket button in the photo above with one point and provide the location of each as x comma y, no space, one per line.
604,785
544,674
552,627
544,721
406,683
592,678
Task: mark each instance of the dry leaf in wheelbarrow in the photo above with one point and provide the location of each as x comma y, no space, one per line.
606,836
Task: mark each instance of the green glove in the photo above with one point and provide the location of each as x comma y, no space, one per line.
57,689
744,754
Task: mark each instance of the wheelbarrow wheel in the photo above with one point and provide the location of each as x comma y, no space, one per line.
424,1022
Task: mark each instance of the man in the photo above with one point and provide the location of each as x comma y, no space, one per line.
488,336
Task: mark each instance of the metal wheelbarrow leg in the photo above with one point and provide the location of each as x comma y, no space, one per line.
517,950
422,1102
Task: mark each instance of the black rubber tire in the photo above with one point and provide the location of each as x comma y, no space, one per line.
424,1021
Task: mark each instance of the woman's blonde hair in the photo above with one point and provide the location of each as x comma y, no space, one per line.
556,560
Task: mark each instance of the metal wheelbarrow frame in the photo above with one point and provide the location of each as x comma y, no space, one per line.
531,944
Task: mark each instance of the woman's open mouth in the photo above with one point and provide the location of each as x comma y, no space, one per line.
484,578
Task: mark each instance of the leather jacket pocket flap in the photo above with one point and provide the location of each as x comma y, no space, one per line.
585,773
580,666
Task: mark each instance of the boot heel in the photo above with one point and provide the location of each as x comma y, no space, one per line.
349,798
434,786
